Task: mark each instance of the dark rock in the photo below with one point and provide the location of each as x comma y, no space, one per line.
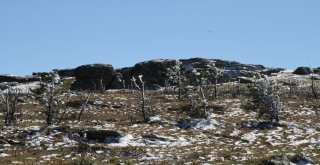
4,85
153,137
186,123
154,72
253,124
3,140
117,106
19,79
198,64
117,82
245,80
232,69
41,74
277,160
302,71
316,70
89,77
218,109
107,136
271,71
301,159
65,72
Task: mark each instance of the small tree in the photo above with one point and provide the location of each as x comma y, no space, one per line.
200,82
175,77
215,73
313,87
48,96
9,104
143,99
265,99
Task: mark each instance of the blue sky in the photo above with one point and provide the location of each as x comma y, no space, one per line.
40,35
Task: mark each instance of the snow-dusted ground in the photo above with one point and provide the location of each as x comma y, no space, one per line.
165,139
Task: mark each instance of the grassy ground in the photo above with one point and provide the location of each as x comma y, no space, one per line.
119,110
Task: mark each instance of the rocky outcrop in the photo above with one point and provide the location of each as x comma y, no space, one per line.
18,79
93,77
302,71
65,72
154,72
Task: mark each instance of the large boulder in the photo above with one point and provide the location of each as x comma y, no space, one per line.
231,70
302,71
91,77
154,72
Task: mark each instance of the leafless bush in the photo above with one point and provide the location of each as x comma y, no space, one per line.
9,105
145,110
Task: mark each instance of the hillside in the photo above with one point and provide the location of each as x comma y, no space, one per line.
98,115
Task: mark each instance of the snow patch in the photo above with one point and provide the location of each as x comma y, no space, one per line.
249,137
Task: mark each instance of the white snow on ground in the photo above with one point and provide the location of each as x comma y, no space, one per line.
249,137
127,140
296,143
4,155
24,87
206,125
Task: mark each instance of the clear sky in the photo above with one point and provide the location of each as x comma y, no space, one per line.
40,35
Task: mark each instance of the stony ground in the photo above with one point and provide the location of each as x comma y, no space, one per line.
229,135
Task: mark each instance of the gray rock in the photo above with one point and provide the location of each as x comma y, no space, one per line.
277,160
302,71
116,83
271,71
301,159
65,72
232,70
153,137
88,77
154,72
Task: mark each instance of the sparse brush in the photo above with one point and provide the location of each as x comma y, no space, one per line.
264,99
9,104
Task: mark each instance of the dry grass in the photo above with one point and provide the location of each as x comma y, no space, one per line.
119,110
